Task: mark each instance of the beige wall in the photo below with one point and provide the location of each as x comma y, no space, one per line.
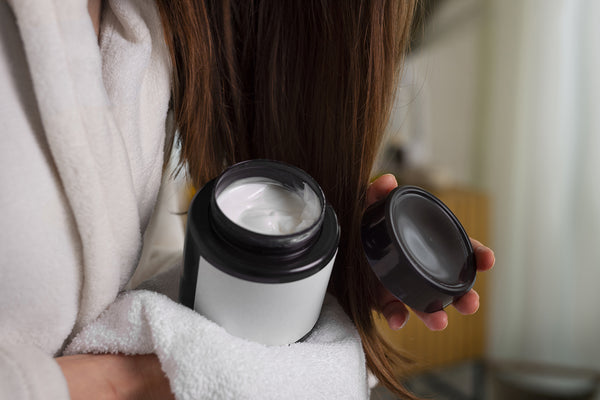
438,107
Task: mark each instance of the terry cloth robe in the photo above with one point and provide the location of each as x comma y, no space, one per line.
81,156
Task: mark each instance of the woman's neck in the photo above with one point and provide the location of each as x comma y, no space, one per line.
94,9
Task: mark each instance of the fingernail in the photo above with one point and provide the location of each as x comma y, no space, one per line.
393,177
396,323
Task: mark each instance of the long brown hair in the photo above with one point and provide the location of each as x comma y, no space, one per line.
306,82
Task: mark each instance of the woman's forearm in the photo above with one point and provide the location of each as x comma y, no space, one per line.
115,377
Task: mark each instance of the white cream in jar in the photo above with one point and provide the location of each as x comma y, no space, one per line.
266,206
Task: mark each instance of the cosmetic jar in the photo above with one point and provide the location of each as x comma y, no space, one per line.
418,249
259,249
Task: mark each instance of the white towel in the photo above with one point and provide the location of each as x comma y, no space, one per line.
202,361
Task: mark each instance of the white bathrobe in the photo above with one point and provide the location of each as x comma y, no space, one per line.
81,153
81,158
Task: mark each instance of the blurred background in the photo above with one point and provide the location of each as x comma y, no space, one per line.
498,113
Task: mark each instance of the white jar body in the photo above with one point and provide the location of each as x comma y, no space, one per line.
268,313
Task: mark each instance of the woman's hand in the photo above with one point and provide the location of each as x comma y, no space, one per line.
393,309
115,376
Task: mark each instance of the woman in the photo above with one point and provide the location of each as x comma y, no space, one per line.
310,84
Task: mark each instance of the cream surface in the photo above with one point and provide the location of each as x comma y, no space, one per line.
265,206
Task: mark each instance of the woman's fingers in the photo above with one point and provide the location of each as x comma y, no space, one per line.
484,259
437,321
380,188
484,256
396,314
394,311
467,304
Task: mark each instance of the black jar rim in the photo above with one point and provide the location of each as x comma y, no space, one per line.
203,241
290,177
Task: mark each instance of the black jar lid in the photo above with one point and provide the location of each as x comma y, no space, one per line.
418,249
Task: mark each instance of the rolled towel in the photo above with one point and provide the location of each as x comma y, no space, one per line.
203,361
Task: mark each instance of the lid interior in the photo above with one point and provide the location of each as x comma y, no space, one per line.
432,239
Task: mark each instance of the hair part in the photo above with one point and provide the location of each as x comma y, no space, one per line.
306,82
